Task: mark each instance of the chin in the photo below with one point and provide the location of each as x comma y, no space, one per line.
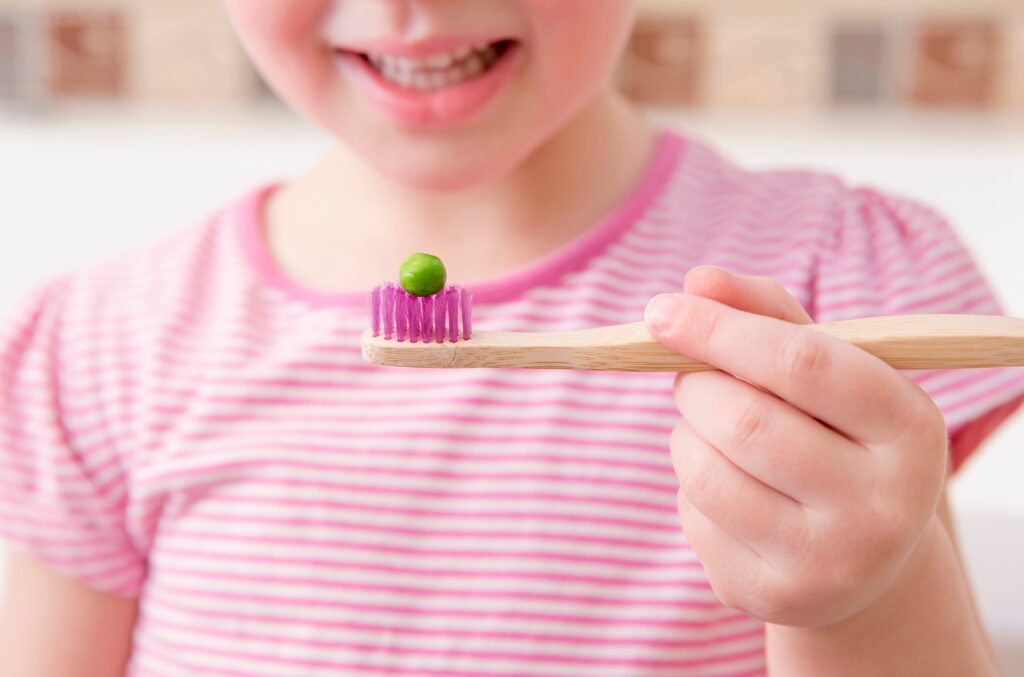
438,174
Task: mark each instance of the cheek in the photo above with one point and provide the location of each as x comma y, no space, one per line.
576,42
283,39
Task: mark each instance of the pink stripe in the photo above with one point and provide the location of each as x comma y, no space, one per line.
895,257
883,250
95,497
726,617
964,379
469,419
549,441
145,646
669,486
409,418
524,657
580,460
967,268
553,440
452,492
992,397
173,602
344,545
447,572
447,515
75,469
569,459
895,304
428,592
208,519
532,381
954,296
470,401
174,650
526,384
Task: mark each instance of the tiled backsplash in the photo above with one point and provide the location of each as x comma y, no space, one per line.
693,53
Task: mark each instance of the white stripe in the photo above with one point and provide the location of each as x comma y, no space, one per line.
292,632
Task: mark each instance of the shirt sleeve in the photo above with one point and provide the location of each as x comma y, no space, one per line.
62,484
891,256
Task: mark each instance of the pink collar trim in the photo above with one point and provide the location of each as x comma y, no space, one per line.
545,270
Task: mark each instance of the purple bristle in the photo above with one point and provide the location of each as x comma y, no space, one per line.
428,318
453,314
415,321
467,314
440,306
389,310
374,308
395,313
401,314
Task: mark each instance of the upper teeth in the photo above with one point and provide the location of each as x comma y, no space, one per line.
436,62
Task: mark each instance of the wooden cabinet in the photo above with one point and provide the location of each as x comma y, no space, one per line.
956,63
862,63
87,53
11,56
664,60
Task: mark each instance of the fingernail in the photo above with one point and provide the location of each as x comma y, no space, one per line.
661,312
707,266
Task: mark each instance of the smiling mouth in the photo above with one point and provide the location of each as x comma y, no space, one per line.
437,71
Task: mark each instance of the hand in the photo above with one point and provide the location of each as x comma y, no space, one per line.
808,468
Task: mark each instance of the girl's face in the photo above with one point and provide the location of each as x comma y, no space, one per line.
440,94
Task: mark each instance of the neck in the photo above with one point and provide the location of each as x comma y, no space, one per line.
556,194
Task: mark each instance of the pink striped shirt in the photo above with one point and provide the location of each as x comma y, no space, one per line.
186,425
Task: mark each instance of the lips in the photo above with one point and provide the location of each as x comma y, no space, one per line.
430,84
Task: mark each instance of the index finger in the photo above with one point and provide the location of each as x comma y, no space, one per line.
833,381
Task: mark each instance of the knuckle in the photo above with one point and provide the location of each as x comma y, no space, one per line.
890,530
750,424
690,392
846,578
922,411
804,354
682,505
776,597
776,602
681,390
728,592
933,420
697,480
679,448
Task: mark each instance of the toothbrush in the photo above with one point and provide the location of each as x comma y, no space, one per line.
410,331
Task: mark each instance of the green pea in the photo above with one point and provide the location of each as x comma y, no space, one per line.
422,275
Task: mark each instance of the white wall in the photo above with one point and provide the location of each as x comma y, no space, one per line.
76,191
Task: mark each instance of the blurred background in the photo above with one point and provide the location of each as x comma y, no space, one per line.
122,119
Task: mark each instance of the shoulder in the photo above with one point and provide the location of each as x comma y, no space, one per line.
888,254
708,181
149,278
844,250
792,199
174,274
137,310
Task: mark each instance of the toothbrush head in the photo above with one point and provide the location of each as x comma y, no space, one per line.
397,314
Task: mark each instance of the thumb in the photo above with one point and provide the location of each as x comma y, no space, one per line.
760,295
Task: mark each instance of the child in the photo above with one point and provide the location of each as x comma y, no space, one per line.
201,477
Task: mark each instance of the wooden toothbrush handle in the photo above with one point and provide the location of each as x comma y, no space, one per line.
903,341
